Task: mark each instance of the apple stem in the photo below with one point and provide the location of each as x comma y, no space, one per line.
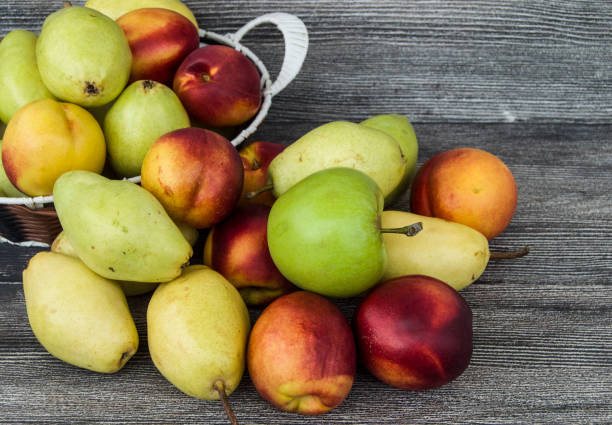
411,230
510,254
66,4
251,195
220,387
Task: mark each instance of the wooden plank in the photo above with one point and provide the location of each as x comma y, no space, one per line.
435,61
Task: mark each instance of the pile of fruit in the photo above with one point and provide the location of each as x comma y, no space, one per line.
288,229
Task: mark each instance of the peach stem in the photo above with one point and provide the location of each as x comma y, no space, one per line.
251,195
510,254
411,230
220,387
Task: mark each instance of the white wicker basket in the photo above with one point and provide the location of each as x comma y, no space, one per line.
295,37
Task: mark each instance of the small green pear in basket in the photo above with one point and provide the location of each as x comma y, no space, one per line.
20,81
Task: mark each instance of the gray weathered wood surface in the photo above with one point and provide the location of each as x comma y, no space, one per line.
530,81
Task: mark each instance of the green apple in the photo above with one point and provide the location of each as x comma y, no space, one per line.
399,127
324,233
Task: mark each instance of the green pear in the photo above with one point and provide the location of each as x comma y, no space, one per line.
83,56
78,316
145,111
62,245
452,252
197,327
117,8
324,233
20,81
400,128
6,187
119,229
339,144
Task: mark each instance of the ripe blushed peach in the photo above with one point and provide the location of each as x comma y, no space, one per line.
219,86
301,354
468,186
196,174
45,139
159,40
238,249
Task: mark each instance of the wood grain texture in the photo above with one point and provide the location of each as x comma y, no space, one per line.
529,81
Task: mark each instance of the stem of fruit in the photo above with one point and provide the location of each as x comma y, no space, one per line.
411,230
510,254
220,387
251,195
66,4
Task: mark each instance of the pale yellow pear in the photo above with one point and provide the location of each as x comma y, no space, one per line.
340,144
77,315
116,8
197,328
118,229
452,252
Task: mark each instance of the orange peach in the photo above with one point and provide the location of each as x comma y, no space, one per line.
301,354
468,186
256,158
45,139
238,249
196,174
219,86
159,40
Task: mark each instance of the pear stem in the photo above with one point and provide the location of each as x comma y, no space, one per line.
220,387
410,230
510,254
251,195
66,4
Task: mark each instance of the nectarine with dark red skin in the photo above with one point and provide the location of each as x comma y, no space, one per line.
219,86
414,332
238,249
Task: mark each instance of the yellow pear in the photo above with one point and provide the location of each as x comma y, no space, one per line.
452,252
197,328
77,315
117,8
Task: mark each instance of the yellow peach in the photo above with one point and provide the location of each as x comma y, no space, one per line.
45,139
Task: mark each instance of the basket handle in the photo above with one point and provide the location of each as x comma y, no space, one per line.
296,45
